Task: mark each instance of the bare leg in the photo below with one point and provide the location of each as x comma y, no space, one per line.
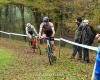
53,48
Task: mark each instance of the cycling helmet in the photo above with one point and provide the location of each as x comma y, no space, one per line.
46,19
28,24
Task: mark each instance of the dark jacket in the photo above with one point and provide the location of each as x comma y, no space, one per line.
78,34
87,34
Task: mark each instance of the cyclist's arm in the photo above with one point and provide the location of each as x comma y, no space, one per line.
40,30
26,29
34,30
53,30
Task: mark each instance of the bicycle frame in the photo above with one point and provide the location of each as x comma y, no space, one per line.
49,44
50,56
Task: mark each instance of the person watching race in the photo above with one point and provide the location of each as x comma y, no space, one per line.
96,69
31,32
47,30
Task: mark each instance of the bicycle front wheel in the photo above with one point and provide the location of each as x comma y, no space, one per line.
50,56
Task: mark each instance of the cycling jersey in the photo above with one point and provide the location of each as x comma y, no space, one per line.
47,28
30,31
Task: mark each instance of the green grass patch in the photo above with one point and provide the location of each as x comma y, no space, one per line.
6,58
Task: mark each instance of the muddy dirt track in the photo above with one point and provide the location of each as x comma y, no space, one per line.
26,60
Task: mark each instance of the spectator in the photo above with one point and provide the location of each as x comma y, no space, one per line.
96,70
87,34
77,39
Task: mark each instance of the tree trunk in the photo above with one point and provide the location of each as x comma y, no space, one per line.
23,19
38,19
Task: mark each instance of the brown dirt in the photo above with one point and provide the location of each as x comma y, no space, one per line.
26,60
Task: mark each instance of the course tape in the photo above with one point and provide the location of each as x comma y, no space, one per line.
58,39
81,45
13,34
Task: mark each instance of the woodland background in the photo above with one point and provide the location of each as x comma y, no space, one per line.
14,14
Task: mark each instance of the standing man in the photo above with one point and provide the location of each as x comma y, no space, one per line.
47,28
77,39
87,34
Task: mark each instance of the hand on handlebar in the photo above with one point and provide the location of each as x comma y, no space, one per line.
43,36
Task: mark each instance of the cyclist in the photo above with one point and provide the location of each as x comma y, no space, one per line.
31,31
47,29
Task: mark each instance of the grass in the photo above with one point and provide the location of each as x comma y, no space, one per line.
28,66
6,57
6,60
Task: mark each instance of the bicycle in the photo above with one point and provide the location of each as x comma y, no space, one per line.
34,43
49,50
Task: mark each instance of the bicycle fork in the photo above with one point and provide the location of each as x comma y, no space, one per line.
50,56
